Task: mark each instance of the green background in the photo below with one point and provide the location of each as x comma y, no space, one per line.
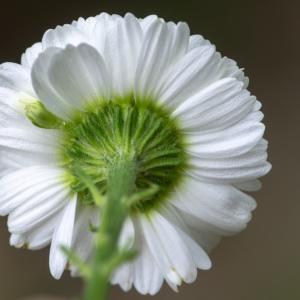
262,263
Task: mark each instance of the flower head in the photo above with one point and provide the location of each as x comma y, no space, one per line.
108,86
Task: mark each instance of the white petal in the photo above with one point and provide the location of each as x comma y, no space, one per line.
180,40
230,142
121,53
34,139
62,237
222,103
31,54
124,277
240,168
253,158
161,236
126,238
142,272
99,30
18,187
43,88
4,170
148,278
188,76
235,175
155,247
16,77
41,236
62,36
229,68
197,41
83,237
85,80
147,22
104,31
223,206
37,238
199,68
200,257
17,240
86,26
164,43
39,204
78,75
10,111
249,186
14,159
205,234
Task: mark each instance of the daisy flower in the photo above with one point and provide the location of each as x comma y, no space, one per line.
109,86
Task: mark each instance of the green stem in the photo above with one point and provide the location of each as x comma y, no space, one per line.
120,186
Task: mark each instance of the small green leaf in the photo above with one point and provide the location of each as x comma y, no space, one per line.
75,260
38,114
98,198
143,195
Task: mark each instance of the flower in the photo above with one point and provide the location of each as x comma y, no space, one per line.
98,86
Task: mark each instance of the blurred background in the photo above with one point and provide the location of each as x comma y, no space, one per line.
263,262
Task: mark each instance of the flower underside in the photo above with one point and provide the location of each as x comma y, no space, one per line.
140,130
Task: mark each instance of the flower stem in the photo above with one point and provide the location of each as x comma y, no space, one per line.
120,186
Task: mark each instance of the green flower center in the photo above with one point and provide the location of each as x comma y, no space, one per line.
94,139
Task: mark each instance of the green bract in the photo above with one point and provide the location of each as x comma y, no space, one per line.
37,113
94,140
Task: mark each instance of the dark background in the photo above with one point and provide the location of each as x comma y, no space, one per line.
262,263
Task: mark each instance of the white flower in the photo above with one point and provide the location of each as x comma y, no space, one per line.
95,68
